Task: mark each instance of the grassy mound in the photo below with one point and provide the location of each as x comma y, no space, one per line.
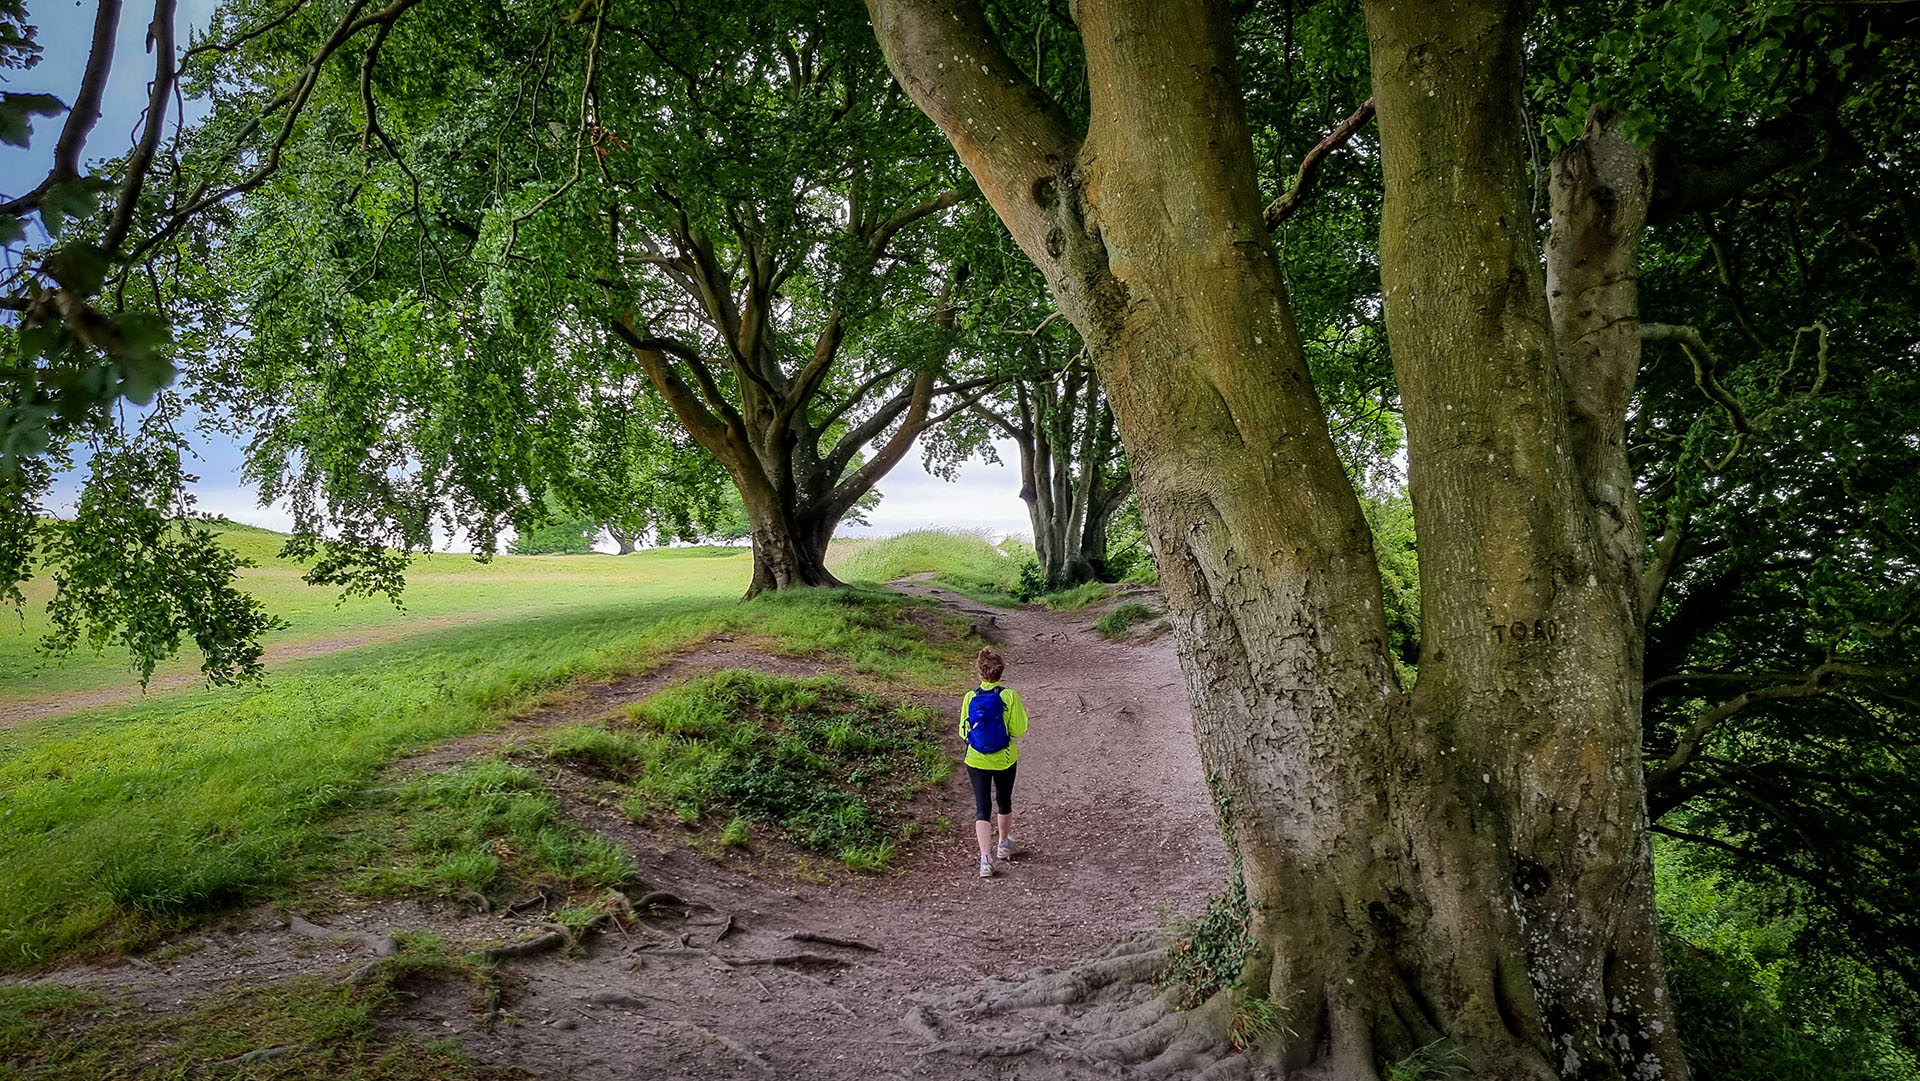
830,767
1119,622
471,831
963,562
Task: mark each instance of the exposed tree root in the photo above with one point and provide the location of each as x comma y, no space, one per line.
830,940
1135,961
381,945
540,899
988,1048
661,899
796,960
1104,1013
610,997
751,1056
555,938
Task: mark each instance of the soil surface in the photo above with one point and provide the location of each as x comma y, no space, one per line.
756,973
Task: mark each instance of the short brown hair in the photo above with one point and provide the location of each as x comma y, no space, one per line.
990,664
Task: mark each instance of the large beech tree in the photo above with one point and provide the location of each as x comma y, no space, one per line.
1466,860
1073,474
735,197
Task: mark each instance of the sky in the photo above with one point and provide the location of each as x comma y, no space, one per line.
984,496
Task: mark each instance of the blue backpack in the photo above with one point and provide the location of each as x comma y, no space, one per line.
987,721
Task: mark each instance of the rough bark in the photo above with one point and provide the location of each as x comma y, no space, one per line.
1467,863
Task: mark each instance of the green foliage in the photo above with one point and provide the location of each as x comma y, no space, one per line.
1118,623
1030,584
133,568
1756,988
1397,551
563,536
826,764
1780,484
1129,556
1210,951
17,111
1731,1032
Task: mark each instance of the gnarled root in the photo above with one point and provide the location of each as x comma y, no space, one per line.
1104,1014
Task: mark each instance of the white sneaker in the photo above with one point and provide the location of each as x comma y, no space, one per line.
1004,850
986,869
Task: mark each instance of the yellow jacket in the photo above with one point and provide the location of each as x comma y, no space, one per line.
1016,717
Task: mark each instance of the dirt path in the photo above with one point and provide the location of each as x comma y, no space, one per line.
1118,838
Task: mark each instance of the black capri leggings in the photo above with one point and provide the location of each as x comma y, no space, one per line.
1000,781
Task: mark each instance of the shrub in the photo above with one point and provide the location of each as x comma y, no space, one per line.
1119,622
1211,950
1080,596
1029,584
1731,1033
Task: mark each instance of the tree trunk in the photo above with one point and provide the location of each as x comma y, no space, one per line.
1531,835
789,546
1070,498
623,539
1468,863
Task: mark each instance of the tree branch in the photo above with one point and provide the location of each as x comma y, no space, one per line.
580,136
882,235
160,34
858,395
1817,682
1007,132
1283,207
1683,184
294,100
711,432
998,421
825,349
1704,364
856,484
243,37
84,114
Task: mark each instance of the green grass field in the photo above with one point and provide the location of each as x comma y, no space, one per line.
444,592
119,822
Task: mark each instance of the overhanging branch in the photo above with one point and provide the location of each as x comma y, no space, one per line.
1282,208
